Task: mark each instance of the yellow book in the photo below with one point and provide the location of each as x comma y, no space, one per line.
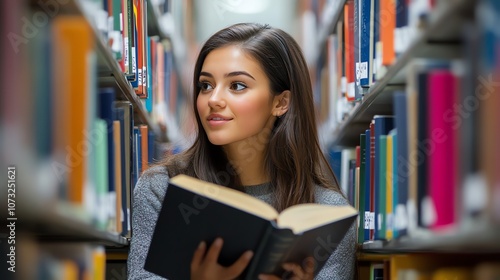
69,270
389,191
455,273
99,263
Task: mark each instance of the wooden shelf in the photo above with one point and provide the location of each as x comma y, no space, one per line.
439,39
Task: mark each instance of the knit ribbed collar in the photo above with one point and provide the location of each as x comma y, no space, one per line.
257,190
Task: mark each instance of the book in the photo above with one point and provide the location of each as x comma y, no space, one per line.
195,211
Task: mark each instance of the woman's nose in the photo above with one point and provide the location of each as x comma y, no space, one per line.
216,100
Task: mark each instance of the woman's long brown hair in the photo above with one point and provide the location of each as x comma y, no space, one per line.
294,160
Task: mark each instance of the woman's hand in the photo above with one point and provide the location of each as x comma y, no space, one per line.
205,267
294,271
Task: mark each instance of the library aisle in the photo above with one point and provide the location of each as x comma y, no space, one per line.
93,92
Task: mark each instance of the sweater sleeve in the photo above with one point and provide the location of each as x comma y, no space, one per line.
148,197
341,263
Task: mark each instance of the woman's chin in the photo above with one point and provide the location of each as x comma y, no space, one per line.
217,141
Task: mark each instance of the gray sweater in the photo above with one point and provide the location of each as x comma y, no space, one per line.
148,197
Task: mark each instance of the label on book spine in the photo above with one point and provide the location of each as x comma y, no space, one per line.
372,220
380,221
367,220
428,211
363,70
125,46
134,61
401,217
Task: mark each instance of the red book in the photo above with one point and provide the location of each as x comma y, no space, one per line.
443,159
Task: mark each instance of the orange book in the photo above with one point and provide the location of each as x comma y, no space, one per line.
72,47
349,48
387,27
144,146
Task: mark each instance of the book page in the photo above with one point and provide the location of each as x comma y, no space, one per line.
303,217
226,196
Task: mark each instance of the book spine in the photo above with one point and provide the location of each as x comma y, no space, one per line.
271,253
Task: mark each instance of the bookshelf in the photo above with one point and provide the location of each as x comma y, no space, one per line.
68,215
439,39
457,34
331,14
60,222
480,239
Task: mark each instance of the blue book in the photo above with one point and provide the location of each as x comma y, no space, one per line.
138,134
357,48
41,51
366,49
335,159
137,156
401,24
107,113
151,146
149,79
168,59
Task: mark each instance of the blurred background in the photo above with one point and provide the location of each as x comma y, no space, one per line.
406,92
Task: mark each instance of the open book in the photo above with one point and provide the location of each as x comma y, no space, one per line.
194,210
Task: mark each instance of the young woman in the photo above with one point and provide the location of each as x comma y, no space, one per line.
257,133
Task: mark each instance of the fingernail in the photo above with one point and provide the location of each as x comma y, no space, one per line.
248,255
218,241
262,277
201,245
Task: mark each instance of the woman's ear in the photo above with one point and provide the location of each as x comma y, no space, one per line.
281,103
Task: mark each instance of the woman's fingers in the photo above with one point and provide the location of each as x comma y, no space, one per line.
268,277
309,266
214,251
298,272
306,271
239,265
198,255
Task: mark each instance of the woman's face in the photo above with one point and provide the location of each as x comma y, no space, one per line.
235,102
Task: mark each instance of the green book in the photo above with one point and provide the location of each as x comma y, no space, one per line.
362,188
381,195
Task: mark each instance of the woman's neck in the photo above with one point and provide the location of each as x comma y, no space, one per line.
248,161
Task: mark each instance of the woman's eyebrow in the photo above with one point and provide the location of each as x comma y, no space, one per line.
232,74
237,73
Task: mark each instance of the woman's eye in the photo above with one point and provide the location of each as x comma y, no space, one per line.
238,86
205,86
